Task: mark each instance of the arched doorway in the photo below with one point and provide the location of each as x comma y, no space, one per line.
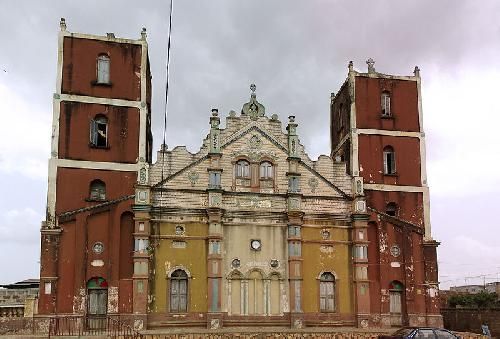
97,303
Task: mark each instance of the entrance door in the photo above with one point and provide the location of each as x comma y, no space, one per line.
97,303
395,308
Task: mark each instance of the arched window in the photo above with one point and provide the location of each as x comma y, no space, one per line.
99,131
327,292
97,190
243,169
266,170
391,209
389,160
103,69
385,101
178,291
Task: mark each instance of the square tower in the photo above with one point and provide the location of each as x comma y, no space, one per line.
101,150
377,129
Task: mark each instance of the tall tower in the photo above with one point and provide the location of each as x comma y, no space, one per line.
101,150
377,129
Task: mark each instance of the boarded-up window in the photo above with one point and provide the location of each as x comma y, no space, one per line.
97,190
178,291
103,69
327,292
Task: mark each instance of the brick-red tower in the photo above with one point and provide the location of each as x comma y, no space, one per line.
101,148
377,129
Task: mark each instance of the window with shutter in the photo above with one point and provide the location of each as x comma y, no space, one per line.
103,69
385,101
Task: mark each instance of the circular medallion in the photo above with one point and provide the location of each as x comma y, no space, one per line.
236,263
274,263
395,251
179,230
255,245
98,247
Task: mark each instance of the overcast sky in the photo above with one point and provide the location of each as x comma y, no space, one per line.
296,52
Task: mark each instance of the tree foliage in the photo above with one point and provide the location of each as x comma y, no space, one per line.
478,300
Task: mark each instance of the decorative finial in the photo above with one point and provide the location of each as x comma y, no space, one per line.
291,118
351,66
62,24
253,88
163,147
143,33
110,35
371,64
215,112
416,71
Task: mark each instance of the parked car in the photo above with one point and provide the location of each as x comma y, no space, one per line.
420,333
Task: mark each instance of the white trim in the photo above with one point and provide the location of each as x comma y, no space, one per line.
51,194
354,137
178,267
389,133
102,38
387,76
101,101
98,165
395,188
427,215
144,109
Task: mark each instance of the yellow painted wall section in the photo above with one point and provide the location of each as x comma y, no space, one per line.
193,257
319,257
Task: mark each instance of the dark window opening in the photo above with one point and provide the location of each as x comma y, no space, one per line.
389,160
391,209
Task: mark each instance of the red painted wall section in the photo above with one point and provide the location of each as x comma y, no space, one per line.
371,162
73,187
66,288
404,104
74,132
80,68
410,204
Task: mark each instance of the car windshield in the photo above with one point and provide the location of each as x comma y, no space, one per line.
403,331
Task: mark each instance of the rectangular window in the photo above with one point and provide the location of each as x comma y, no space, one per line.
103,69
48,288
293,184
360,252
214,247
294,249
141,245
294,231
386,104
214,179
389,162
297,296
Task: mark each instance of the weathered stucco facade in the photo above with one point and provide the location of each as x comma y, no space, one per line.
247,231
